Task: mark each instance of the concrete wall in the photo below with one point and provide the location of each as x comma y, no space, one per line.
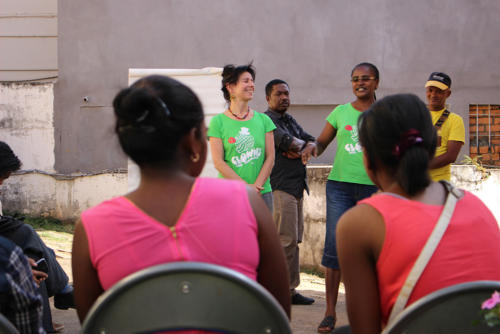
26,124
313,45
26,113
59,196
28,38
311,250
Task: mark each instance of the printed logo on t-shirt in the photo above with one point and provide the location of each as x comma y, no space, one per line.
355,147
245,142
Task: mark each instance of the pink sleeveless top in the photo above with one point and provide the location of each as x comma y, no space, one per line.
217,226
468,251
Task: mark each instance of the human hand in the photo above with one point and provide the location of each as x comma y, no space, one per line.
292,155
257,188
310,150
38,276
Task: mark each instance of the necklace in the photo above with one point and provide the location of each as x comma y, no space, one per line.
239,117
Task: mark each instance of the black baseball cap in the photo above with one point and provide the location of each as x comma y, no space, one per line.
440,80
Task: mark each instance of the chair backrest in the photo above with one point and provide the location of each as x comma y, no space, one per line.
6,326
454,309
186,295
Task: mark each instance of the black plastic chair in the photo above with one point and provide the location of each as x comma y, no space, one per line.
186,295
6,327
454,309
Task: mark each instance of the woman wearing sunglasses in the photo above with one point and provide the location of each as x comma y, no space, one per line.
347,182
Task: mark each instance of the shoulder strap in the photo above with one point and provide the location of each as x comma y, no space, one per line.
442,119
425,255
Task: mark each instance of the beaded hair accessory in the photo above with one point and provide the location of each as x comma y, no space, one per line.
408,139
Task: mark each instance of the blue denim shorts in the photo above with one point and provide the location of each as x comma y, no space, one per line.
340,197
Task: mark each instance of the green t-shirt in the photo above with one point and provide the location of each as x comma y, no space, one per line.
244,144
348,164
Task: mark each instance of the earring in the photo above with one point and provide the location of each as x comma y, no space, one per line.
195,157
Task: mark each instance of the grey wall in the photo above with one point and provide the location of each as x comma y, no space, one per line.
311,44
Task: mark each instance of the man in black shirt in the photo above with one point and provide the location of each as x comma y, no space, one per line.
288,179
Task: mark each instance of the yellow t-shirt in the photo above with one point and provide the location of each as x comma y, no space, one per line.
452,129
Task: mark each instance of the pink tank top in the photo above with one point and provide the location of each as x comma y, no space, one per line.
468,251
217,226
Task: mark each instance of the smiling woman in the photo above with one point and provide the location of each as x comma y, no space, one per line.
347,181
241,139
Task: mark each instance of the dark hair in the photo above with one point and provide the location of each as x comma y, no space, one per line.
152,116
372,67
385,127
9,162
231,74
272,83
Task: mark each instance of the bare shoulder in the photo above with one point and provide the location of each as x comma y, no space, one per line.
362,225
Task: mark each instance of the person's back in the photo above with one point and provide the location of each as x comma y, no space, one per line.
123,239
469,247
380,239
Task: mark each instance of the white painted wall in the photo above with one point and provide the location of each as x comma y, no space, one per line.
206,83
488,190
45,195
26,124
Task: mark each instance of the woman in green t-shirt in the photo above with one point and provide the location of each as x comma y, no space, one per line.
241,139
347,182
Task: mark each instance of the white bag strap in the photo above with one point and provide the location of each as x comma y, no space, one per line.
453,195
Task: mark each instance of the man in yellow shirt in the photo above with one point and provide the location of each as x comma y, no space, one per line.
449,126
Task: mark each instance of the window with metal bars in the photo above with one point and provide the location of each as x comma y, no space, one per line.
484,133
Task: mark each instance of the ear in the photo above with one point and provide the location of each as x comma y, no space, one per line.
268,98
196,149
229,88
448,93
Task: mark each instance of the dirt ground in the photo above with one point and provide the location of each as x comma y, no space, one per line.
305,319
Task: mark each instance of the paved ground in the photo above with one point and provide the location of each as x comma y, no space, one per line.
305,319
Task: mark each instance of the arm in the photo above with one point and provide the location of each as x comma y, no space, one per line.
217,149
272,271
288,144
267,167
324,139
360,234
303,134
282,139
86,282
450,156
